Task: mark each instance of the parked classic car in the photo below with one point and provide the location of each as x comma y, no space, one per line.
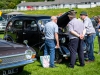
30,28
26,27
3,24
14,56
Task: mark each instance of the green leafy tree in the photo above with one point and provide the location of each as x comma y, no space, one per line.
11,5
1,5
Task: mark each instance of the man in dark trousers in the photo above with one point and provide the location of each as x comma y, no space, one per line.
76,31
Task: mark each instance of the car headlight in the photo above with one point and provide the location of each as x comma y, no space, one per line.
28,54
63,40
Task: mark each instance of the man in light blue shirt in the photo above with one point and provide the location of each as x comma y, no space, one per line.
51,34
90,35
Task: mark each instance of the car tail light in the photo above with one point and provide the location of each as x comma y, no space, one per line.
33,56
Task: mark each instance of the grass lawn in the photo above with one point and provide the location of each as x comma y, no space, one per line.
91,11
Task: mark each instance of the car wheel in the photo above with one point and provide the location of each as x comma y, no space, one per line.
8,39
58,57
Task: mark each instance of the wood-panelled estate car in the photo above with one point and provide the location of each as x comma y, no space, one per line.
13,57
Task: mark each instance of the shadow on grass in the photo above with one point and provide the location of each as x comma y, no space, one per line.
65,61
23,73
95,52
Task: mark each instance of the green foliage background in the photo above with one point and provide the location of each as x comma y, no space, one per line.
11,4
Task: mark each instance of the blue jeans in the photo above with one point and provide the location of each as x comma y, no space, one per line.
49,49
90,43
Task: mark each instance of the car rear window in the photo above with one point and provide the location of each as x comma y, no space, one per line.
18,24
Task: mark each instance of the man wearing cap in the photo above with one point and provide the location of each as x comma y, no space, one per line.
51,34
90,35
76,31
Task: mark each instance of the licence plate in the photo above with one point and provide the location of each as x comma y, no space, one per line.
10,71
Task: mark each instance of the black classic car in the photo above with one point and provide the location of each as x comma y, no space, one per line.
14,56
30,28
26,27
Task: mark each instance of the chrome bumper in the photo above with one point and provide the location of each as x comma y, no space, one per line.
16,64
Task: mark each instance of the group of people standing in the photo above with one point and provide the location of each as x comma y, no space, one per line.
77,31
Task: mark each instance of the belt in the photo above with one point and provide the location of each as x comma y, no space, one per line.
49,39
74,38
90,34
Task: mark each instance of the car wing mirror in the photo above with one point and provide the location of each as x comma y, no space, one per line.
26,43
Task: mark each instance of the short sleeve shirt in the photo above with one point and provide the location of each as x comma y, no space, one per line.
89,26
77,26
50,29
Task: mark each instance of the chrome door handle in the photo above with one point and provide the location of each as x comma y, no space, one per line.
24,33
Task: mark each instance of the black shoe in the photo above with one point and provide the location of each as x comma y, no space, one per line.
53,66
82,65
70,66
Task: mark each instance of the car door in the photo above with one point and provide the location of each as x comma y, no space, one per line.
17,31
31,32
14,31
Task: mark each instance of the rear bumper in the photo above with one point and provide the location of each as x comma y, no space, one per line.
16,64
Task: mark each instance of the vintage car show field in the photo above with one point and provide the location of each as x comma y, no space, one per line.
92,68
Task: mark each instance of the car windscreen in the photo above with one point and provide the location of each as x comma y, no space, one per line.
43,21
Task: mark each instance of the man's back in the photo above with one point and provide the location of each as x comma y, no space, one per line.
49,30
77,26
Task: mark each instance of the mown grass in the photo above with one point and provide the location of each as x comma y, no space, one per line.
91,11
62,69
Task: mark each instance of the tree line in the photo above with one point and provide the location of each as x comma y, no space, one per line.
11,4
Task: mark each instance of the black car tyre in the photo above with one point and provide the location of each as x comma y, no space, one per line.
8,39
58,56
